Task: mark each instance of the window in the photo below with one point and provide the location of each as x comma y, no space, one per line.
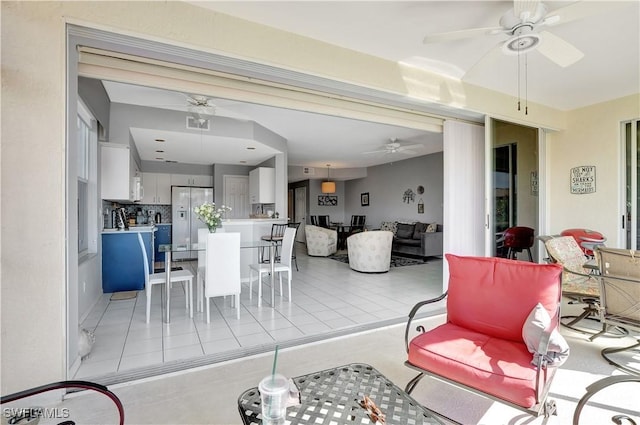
87,180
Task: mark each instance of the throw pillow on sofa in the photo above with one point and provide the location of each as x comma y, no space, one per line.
431,228
420,228
389,225
405,231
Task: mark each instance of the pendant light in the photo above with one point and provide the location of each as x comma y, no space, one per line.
328,186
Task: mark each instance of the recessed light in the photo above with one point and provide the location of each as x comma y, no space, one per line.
251,148
170,160
160,140
159,151
243,162
159,158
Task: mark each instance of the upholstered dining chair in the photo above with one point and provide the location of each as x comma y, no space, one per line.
222,276
282,266
151,279
357,223
324,221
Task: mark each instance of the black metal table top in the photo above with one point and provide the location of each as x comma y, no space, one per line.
334,396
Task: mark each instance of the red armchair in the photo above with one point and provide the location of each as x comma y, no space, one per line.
494,323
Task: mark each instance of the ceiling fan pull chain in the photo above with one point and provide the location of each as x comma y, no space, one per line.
526,84
518,77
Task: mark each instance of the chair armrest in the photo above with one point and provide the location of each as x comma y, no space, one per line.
412,314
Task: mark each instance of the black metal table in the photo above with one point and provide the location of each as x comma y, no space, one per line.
334,396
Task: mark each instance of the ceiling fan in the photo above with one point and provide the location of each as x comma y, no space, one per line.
525,24
395,147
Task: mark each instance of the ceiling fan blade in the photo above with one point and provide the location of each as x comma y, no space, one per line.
491,58
406,151
407,147
524,9
370,152
558,50
459,35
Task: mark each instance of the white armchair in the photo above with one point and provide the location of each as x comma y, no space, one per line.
370,252
321,242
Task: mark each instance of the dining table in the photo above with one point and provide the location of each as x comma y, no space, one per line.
201,246
343,231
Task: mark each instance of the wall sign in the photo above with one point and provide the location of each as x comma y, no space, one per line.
583,179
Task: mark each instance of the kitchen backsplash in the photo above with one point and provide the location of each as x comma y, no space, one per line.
132,211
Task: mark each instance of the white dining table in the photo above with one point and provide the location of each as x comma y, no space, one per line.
201,246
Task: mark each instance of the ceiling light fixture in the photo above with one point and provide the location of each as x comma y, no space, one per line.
328,186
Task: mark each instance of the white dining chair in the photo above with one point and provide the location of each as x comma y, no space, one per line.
284,265
151,279
222,274
202,267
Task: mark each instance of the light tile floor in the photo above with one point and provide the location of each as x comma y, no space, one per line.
327,297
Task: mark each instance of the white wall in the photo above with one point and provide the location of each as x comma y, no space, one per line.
593,138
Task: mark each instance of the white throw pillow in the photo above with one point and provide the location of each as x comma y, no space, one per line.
535,324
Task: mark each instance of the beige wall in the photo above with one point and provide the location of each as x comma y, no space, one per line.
592,138
33,142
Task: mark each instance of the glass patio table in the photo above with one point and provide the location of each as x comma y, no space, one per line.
201,246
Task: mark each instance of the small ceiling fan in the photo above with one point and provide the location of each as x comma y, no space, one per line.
525,24
395,147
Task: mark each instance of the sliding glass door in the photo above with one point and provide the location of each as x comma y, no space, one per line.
513,182
631,196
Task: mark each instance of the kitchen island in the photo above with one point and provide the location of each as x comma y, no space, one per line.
122,267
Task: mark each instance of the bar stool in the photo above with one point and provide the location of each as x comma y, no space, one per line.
517,239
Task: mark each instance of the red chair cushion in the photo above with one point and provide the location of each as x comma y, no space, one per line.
494,366
494,296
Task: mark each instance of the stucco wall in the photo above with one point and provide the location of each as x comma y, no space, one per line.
592,138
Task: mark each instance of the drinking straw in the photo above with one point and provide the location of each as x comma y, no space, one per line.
273,369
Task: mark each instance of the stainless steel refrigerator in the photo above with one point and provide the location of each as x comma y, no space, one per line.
184,222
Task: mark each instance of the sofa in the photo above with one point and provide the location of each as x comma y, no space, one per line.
370,252
417,238
321,242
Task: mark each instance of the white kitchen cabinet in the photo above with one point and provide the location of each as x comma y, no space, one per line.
262,186
117,169
191,180
157,188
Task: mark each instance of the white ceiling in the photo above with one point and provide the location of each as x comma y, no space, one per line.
313,140
394,30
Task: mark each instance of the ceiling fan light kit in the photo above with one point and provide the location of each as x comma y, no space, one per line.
328,186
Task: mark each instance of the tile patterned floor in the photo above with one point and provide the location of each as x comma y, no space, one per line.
327,296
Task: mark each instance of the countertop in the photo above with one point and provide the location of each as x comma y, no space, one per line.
132,229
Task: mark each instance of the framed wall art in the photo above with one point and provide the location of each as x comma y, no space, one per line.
327,200
364,199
